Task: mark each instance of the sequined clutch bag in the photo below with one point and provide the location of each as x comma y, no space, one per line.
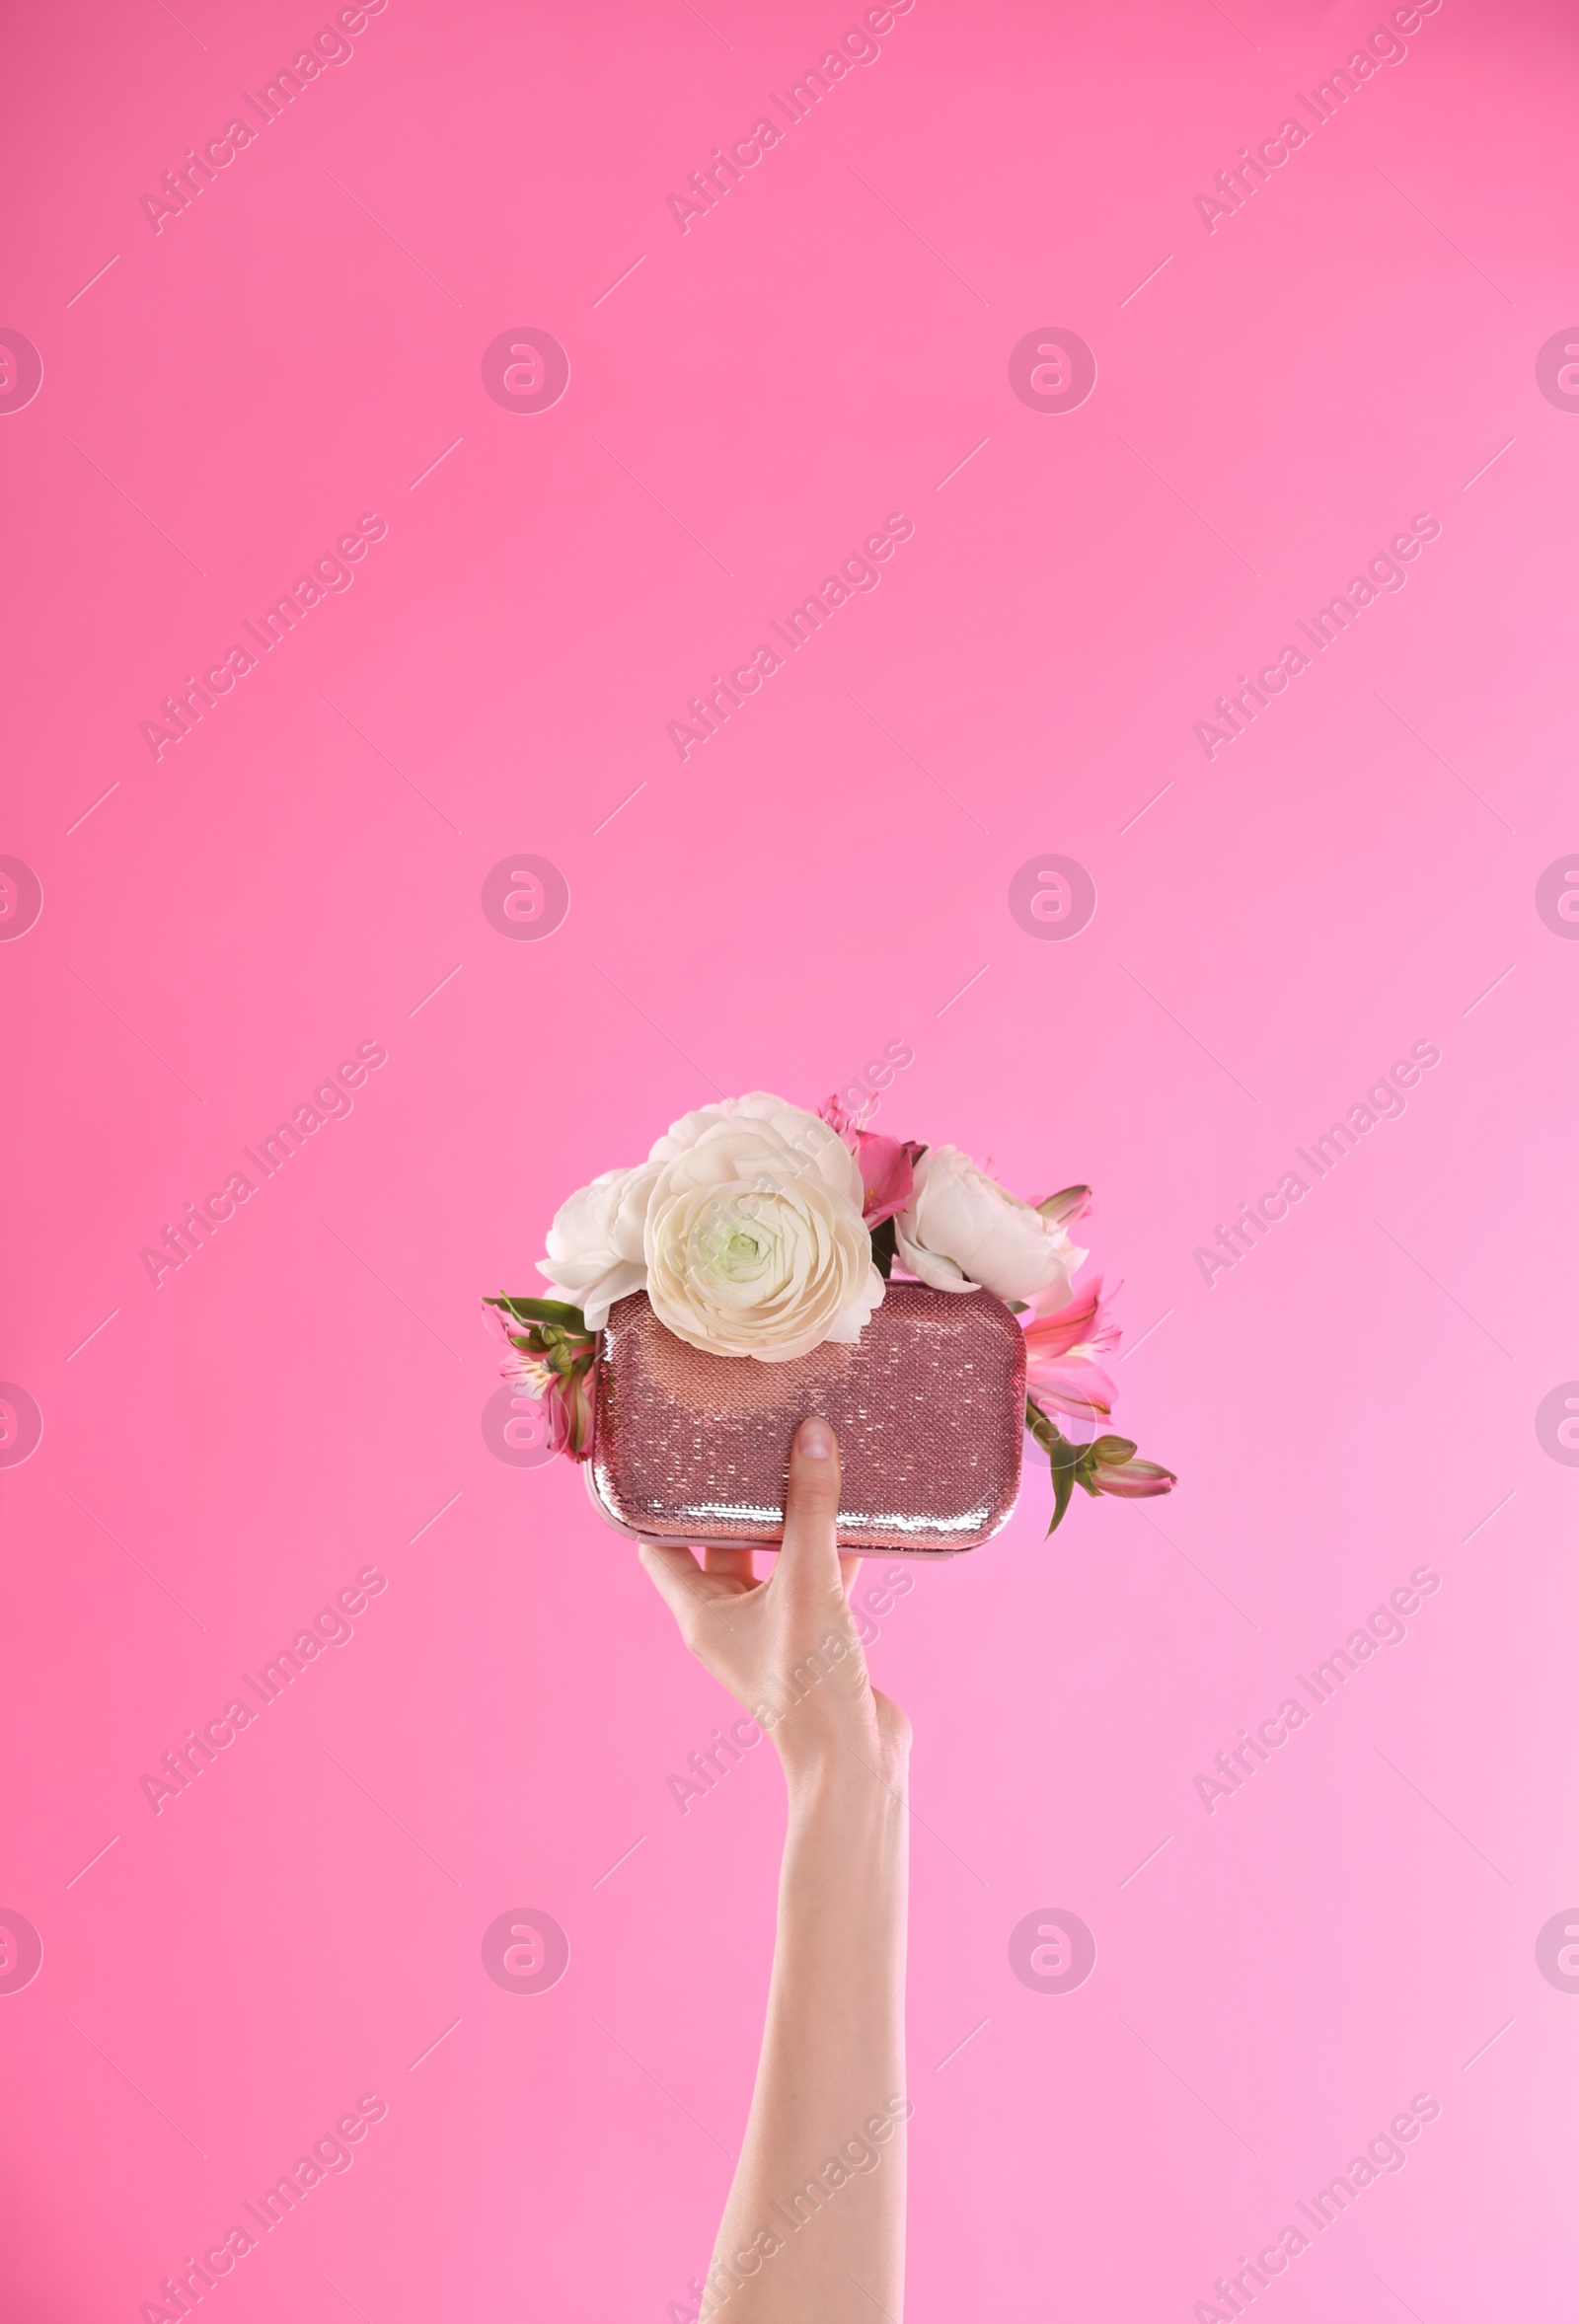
929,1407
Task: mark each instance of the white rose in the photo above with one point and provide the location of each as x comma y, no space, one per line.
755,1243
961,1231
595,1247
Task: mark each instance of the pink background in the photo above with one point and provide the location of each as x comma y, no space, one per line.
302,873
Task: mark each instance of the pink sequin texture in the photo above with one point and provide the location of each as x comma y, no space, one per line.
929,1408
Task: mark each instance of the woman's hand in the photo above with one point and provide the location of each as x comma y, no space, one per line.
786,1648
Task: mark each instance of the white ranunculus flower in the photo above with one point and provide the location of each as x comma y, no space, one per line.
755,1243
820,1150
963,1231
595,1244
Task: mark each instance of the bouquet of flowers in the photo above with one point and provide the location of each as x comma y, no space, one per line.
759,1229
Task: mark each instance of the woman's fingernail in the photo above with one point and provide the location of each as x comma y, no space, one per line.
816,1440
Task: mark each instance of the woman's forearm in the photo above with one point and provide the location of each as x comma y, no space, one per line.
814,2225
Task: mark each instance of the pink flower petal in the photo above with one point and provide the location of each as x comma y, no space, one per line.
1082,1322
1084,1391
1135,1480
887,1173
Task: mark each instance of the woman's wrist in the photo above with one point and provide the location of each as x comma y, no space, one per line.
864,1775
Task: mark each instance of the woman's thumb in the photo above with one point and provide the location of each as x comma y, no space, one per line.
811,1505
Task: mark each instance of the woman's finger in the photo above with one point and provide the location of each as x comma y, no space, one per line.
677,1577
735,1565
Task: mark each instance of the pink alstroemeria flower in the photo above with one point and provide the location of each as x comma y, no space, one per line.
560,1382
839,1118
515,1363
1073,1202
1127,1478
569,1402
1062,1370
887,1173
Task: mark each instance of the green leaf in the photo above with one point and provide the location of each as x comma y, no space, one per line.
1063,1487
543,1311
1064,1458
884,1249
